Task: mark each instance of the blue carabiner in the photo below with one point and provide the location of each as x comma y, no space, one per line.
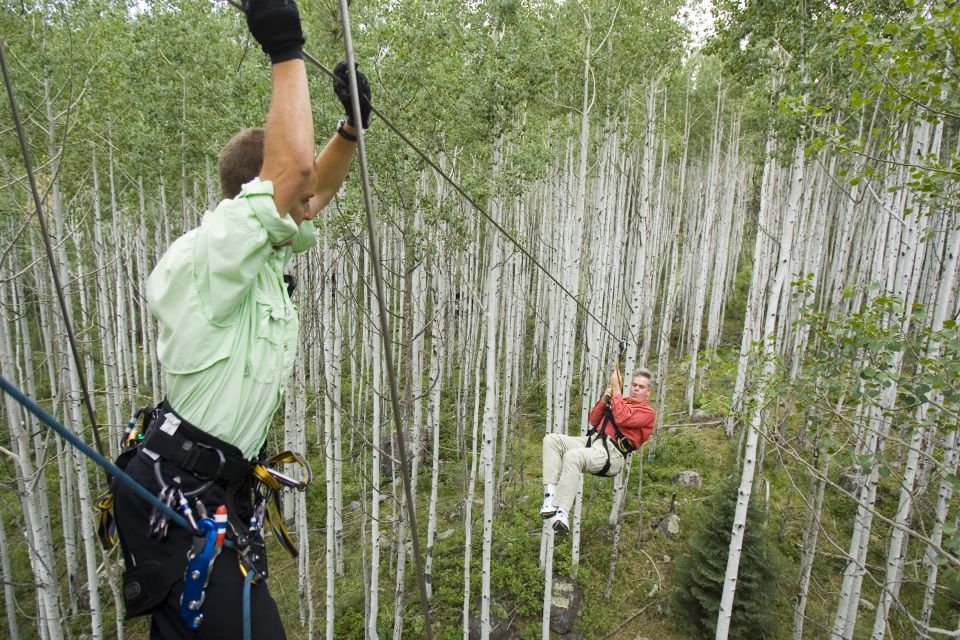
206,548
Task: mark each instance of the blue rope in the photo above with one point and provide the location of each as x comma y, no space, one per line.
111,468
247,581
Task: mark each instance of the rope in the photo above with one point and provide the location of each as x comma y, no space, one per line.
108,466
466,196
46,243
384,321
247,581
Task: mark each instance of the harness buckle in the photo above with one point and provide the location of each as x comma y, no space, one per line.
191,463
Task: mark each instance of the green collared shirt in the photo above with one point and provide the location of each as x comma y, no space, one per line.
228,330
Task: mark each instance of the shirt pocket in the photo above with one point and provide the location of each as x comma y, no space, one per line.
266,354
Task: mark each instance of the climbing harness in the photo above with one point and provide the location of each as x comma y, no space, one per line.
622,443
213,532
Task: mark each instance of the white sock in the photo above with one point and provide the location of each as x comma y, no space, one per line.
550,489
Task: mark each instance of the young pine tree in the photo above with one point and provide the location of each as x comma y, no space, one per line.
699,574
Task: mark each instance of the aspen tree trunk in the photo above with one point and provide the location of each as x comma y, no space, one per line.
336,377
756,422
68,489
108,349
468,502
758,280
330,462
908,283
9,598
640,297
490,418
813,264
706,243
547,583
73,392
670,295
476,321
375,344
395,253
950,449
433,424
723,257
123,351
41,553
876,427
137,274
643,295
897,547
300,513
415,284
42,439
811,532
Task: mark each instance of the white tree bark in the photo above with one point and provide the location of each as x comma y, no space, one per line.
756,422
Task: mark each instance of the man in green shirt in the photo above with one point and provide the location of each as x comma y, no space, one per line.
227,341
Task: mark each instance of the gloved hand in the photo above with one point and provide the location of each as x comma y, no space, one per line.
275,24
341,87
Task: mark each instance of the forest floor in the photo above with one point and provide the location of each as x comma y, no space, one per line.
640,604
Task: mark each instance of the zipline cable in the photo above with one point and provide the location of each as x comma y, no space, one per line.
46,243
73,439
466,196
384,321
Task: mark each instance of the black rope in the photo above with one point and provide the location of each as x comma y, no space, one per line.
466,196
384,320
46,243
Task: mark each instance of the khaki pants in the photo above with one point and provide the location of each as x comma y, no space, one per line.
567,458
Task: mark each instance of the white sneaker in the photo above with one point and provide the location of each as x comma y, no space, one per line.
561,523
547,511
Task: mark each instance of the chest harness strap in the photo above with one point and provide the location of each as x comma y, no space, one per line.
622,443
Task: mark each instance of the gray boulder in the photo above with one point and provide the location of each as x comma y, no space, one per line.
499,629
565,605
689,478
669,527
699,415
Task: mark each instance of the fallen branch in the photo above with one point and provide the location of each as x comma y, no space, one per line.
628,620
693,424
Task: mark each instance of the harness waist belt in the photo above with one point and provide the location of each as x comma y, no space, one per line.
196,451
623,444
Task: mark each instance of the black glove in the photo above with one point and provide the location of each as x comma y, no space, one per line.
275,24
341,87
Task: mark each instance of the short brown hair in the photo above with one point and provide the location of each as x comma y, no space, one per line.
240,161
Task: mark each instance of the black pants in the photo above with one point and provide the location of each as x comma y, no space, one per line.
153,581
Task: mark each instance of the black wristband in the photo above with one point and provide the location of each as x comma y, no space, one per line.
276,58
352,137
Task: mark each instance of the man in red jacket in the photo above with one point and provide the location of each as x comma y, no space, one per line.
621,424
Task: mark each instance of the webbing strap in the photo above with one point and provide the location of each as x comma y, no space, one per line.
621,442
275,481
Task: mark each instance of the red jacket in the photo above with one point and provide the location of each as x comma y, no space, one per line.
634,419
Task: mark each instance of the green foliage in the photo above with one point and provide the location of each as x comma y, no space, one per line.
700,573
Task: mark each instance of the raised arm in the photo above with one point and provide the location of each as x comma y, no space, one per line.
288,138
331,166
